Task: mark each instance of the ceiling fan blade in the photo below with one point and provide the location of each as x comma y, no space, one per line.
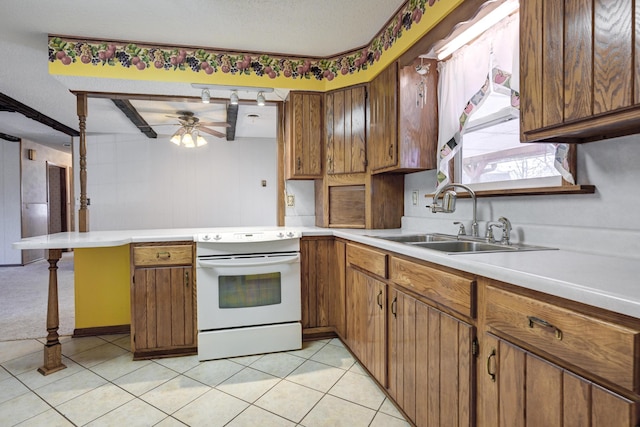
221,124
212,132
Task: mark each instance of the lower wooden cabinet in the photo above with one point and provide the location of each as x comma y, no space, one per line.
366,325
322,286
163,304
431,363
522,389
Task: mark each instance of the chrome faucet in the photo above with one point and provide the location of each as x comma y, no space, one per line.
506,230
449,203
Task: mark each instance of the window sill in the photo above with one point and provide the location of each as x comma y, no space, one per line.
535,191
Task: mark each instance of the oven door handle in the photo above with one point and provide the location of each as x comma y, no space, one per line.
250,262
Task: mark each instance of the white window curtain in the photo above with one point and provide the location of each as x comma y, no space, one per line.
463,83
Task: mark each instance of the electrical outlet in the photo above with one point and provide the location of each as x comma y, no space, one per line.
291,200
414,197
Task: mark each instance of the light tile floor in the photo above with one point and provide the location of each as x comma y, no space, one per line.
319,385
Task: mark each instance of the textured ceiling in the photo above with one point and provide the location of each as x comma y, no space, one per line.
296,27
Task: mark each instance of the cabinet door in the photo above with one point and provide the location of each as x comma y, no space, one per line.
318,296
521,389
445,389
577,67
383,121
304,135
345,130
402,351
366,326
163,308
417,117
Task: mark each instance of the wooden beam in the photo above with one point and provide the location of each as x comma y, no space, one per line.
132,114
232,120
83,212
9,137
11,105
53,348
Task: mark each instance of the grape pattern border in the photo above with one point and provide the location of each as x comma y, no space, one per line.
144,57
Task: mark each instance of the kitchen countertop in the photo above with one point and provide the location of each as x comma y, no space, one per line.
602,281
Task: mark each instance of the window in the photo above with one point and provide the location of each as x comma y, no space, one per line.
492,157
479,135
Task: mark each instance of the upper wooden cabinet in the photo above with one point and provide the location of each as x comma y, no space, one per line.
345,130
580,70
304,135
403,129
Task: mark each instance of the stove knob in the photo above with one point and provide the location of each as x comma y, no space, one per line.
218,237
280,235
290,234
206,237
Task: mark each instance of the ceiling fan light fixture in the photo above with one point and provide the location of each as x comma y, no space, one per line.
233,99
187,140
260,99
206,96
176,138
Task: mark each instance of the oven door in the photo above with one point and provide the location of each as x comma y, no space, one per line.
248,290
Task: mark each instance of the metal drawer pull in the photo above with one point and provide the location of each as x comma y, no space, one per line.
394,306
541,322
491,374
163,255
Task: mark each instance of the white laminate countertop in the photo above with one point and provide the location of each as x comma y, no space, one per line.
608,282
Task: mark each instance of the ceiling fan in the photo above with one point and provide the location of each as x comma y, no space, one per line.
190,127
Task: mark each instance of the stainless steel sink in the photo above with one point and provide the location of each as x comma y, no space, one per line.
418,238
459,246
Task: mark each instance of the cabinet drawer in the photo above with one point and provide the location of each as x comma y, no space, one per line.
597,346
451,290
367,259
162,255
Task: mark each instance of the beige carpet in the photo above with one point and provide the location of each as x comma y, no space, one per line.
23,299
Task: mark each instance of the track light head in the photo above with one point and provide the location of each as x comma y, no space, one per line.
233,100
260,99
206,96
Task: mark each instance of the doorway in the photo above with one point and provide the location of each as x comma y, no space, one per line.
57,198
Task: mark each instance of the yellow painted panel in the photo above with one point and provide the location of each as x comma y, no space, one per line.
102,286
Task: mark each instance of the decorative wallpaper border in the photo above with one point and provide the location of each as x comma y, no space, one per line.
146,57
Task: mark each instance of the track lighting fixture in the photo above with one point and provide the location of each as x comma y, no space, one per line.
206,96
233,100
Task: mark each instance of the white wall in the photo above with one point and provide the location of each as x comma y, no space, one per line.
134,182
9,201
607,221
302,213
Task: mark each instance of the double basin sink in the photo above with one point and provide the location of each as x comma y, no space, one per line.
458,244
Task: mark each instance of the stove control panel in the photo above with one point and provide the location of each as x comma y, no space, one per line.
254,236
